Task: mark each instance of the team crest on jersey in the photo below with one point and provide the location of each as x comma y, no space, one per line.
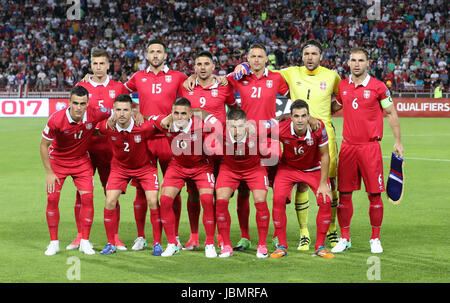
112,94
323,85
214,92
286,142
344,93
137,138
168,78
89,126
144,79
90,96
113,138
244,82
309,141
191,93
366,94
269,83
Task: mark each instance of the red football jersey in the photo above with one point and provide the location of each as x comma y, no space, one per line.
362,110
103,94
130,145
188,145
258,95
241,155
211,99
301,152
70,139
156,93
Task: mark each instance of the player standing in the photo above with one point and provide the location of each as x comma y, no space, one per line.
131,160
157,87
258,91
363,99
190,163
63,150
316,85
213,98
102,91
306,160
241,163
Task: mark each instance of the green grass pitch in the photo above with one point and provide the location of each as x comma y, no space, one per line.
414,233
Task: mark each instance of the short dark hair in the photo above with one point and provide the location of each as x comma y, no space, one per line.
312,42
182,102
157,41
257,45
79,91
299,104
99,52
124,98
236,114
360,50
204,54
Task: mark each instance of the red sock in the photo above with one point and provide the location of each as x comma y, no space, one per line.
140,211
323,221
86,214
376,214
109,219
344,214
155,219
168,218
208,217
76,211
279,219
262,221
223,220
116,231
243,212
193,209
177,212
52,214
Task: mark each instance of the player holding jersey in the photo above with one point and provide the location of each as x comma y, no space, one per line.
363,100
306,160
64,152
131,160
315,84
102,91
157,87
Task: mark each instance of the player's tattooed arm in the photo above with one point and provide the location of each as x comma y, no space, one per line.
166,123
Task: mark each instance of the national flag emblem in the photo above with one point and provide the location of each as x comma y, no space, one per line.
269,83
112,94
366,94
168,78
323,85
309,141
89,126
214,92
137,138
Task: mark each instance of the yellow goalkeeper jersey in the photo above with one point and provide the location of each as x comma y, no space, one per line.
315,87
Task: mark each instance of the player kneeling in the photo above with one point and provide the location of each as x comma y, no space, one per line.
241,163
131,160
305,160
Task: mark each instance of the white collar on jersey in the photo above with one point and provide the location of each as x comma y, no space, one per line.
128,129
165,69
364,83
234,141
215,85
69,117
308,131
95,84
265,74
185,130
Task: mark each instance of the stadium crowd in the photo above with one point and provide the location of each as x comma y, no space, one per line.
41,47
